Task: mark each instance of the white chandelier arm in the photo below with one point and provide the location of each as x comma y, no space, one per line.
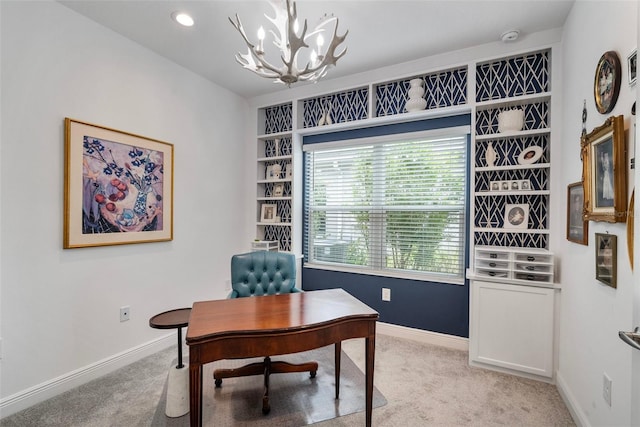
253,60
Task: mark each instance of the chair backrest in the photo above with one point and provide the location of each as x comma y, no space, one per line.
263,273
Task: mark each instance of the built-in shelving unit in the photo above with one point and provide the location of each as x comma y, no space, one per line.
512,270
275,175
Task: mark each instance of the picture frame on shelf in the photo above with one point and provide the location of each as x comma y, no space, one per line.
530,155
577,226
632,63
604,172
495,185
288,171
525,185
118,187
516,216
273,172
607,259
268,212
504,185
278,190
515,185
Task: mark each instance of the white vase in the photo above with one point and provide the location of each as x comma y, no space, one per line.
490,155
416,102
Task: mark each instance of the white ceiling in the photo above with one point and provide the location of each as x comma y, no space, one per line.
381,33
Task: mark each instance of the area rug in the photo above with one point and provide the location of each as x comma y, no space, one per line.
296,399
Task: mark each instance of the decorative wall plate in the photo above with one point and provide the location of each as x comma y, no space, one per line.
530,155
606,84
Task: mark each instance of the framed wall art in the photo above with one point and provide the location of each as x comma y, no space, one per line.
604,172
516,216
632,64
606,83
118,187
268,212
607,259
577,226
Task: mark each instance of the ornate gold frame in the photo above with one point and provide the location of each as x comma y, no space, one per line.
604,139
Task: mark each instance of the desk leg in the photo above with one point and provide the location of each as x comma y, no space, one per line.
338,352
195,393
370,343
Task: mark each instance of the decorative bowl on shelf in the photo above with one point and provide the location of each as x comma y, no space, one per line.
511,120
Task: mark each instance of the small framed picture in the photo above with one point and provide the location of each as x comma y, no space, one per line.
632,61
273,172
268,212
516,216
525,184
577,227
504,185
495,185
288,171
278,190
515,185
606,259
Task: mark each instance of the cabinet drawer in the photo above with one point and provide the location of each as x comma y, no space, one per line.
487,272
492,255
534,277
532,257
493,264
533,268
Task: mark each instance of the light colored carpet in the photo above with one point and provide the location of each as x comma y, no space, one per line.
425,385
296,399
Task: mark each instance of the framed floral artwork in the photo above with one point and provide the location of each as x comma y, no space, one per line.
118,187
604,172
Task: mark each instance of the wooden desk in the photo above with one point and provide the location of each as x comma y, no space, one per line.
273,325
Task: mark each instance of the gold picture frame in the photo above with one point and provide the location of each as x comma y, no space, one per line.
604,172
607,259
577,226
118,187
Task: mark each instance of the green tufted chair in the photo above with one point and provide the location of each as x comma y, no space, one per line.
256,274
263,273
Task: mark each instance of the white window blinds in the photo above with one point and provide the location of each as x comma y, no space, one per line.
390,206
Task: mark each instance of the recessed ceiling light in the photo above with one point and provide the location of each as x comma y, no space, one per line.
510,36
182,19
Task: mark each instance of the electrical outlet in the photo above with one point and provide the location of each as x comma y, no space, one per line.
386,294
606,388
125,312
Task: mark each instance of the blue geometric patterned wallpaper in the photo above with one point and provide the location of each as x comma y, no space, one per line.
442,89
517,76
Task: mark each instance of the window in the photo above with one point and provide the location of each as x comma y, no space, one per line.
390,205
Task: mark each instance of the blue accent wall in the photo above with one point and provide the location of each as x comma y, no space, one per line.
436,307
430,306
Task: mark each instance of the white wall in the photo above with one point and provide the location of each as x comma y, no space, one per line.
60,308
592,313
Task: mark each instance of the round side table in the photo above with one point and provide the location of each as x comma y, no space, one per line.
178,382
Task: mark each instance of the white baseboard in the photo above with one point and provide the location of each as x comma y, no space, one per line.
577,414
46,390
428,337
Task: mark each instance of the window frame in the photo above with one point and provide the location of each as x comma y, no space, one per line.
367,140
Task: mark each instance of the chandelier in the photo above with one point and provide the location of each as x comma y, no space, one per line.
286,39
